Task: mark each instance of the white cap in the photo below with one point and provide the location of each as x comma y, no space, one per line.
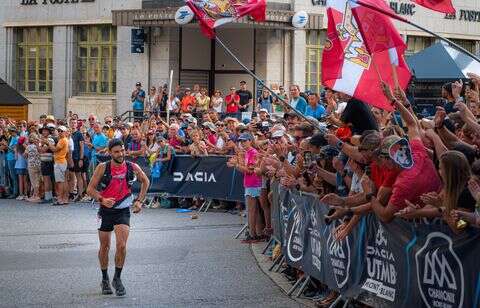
263,110
278,133
62,128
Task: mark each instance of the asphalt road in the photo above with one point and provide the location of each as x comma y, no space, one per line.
48,257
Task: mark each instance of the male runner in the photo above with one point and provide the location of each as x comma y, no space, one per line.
115,178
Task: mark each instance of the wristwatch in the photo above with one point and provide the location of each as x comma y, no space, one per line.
339,145
369,196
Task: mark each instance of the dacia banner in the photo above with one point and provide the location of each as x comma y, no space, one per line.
206,177
400,264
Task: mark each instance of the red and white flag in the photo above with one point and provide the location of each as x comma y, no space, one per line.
349,67
214,13
443,6
378,31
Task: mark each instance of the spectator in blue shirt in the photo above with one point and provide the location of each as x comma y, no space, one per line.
11,162
99,143
314,108
296,101
138,99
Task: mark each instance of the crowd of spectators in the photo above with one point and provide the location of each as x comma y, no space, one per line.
357,159
361,160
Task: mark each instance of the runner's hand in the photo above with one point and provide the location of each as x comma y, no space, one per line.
108,202
137,207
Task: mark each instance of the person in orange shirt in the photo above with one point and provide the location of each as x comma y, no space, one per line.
188,102
60,152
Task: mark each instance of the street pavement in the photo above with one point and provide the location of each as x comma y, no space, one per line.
48,257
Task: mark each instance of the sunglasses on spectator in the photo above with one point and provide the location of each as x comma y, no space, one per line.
91,119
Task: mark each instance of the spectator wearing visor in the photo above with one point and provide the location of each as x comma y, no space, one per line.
246,163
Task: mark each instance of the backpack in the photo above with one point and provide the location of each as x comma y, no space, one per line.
107,175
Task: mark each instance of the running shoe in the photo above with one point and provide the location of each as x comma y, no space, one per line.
118,286
106,289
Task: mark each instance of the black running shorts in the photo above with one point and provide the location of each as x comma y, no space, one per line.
112,217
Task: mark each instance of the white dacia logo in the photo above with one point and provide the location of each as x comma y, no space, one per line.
194,177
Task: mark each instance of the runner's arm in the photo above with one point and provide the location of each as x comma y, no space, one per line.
144,181
95,180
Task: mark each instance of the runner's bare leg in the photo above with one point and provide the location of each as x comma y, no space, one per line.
105,238
121,237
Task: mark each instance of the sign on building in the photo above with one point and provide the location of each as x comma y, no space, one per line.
138,40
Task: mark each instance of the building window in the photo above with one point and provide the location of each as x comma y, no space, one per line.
469,45
418,43
96,59
34,59
315,44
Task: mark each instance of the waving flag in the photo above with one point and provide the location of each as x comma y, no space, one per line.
348,66
377,30
443,6
214,13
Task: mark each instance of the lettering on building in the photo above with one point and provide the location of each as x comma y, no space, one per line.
465,15
403,8
45,2
398,7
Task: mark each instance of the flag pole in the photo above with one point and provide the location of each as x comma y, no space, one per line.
284,103
394,16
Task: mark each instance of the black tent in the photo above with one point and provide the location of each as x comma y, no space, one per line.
441,63
10,97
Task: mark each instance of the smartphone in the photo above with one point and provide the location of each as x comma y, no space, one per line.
307,159
368,171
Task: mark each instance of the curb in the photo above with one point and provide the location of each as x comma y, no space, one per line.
264,264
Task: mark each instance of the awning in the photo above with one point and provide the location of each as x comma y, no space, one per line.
441,62
10,97
275,19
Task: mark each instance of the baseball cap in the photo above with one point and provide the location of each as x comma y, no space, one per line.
50,126
62,128
210,126
245,136
397,149
243,82
278,133
138,84
12,128
50,118
291,114
370,142
263,110
230,119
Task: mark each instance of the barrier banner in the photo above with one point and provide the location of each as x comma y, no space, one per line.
400,264
207,177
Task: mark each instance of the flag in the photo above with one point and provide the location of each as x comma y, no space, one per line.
443,6
377,30
348,67
214,13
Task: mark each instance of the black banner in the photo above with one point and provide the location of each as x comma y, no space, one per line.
206,177
400,264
